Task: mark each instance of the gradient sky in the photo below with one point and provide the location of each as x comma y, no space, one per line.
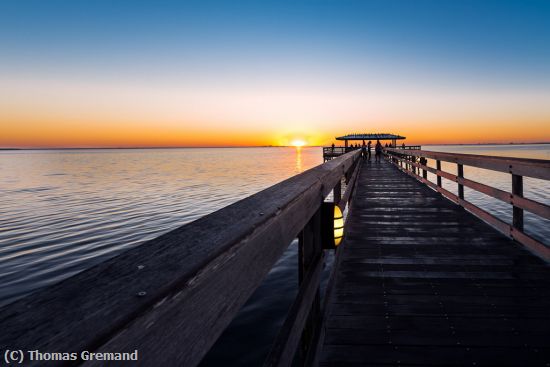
206,73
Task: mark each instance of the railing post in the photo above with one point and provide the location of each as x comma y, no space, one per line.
438,166
309,252
337,192
424,162
460,173
517,190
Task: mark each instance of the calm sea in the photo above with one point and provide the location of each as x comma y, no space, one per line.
62,211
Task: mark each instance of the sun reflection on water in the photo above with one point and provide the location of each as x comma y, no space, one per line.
299,167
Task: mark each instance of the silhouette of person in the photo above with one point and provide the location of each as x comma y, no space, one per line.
377,151
369,147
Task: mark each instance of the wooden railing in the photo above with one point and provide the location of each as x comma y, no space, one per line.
414,162
171,297
410,147
331,152
337,150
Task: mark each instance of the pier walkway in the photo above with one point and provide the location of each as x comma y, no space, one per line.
421,281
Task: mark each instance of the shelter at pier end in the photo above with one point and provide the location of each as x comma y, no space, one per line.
365,137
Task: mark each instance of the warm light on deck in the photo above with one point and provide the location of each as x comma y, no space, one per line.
338,225
332,223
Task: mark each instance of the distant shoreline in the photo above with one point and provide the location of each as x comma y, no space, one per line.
254,146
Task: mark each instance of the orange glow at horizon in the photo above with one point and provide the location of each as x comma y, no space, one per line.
49,135
38,113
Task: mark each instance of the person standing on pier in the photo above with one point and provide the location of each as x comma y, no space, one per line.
378,151
364,151
369,147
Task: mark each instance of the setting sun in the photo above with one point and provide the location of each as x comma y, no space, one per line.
298,143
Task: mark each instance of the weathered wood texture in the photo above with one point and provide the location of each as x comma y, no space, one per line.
330,152
171,297
513,198
424,282
301,321
536,168
304,317
530,167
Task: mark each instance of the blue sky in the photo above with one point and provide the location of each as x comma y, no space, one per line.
492,39
399,46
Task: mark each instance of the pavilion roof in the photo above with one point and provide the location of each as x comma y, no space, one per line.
374,136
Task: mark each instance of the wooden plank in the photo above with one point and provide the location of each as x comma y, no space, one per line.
517,190
349,188
310,250
172,296
518,201
532,244
337,192
486,216
535,246
534,207
460,174
412,289
536,168
288,339
313,358
438,168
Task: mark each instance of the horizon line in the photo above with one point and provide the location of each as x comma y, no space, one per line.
241,146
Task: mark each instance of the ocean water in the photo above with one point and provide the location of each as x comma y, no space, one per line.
62,211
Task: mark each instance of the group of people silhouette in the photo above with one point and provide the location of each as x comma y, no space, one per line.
366,151
367,148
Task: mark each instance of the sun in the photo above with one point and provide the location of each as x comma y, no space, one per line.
298,143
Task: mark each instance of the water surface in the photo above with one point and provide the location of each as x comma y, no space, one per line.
63,211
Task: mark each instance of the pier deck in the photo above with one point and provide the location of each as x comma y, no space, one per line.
421,281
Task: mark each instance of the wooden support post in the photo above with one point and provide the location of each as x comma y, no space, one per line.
309,252
413,159
438,166
460,173
517,190
424,162
337,192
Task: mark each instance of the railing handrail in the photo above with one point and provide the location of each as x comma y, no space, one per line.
517,167
536,168
171,297
348,149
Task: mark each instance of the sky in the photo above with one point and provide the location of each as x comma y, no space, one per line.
228,73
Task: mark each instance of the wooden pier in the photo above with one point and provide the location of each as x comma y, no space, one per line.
419,279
